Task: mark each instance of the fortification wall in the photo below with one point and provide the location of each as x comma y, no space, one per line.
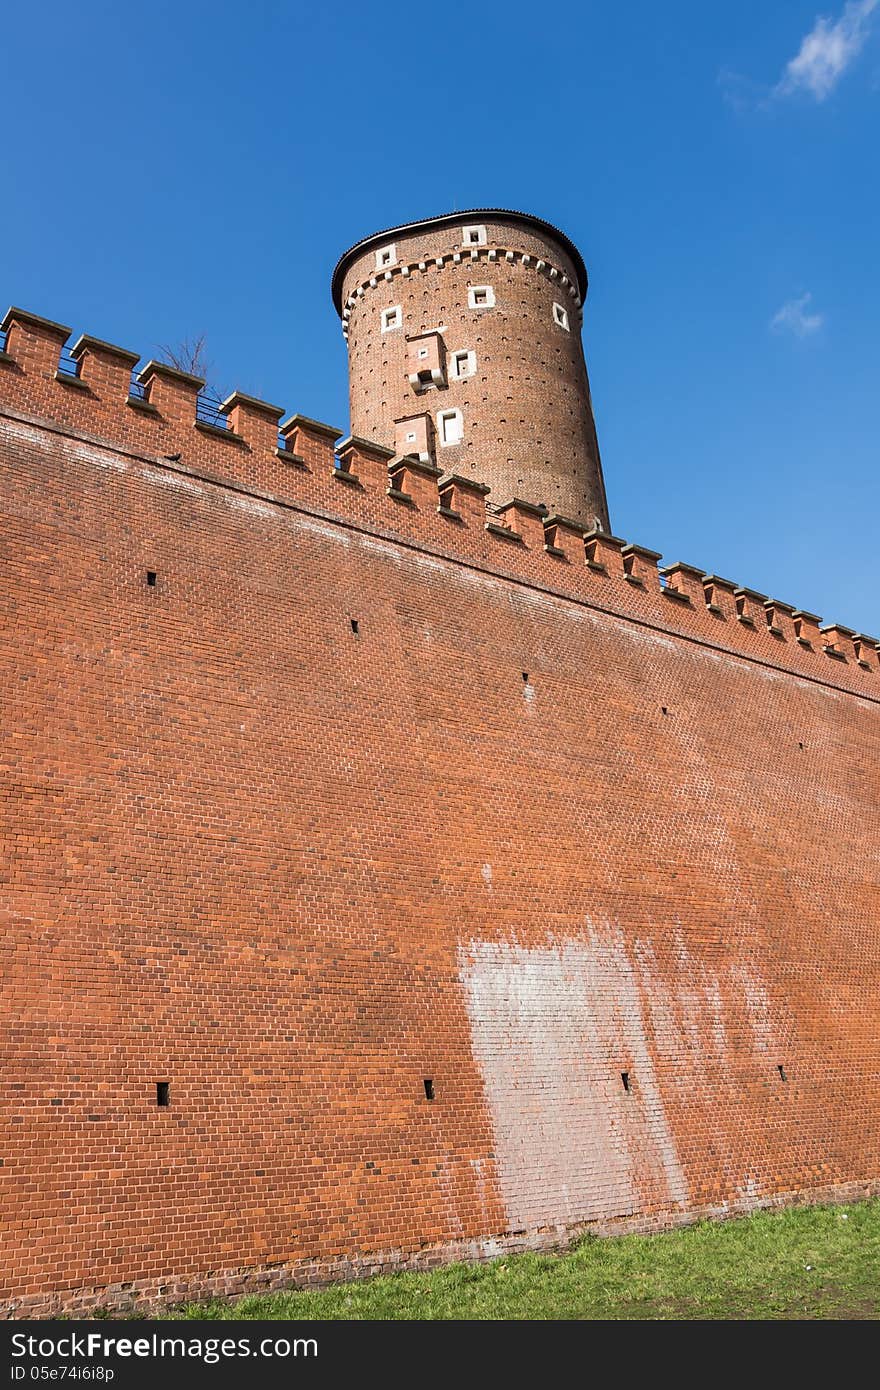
539,822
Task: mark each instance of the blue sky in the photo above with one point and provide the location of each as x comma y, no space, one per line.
170,170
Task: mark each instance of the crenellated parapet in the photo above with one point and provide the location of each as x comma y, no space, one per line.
96,392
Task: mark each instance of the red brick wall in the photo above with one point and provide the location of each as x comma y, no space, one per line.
535,825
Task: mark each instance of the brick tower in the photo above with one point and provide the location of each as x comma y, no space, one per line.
464,340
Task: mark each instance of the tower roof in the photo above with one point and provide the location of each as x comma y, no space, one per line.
525,219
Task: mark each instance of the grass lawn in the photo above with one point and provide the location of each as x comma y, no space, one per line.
808,1262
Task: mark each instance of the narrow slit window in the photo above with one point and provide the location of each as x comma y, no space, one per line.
782,1072
163,1093
429,1088
151,579
355,626
624,1076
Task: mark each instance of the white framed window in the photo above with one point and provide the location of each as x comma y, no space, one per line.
481,296
462,364
450,426
411,437
423,352
560,316
473,236
392,318
386,256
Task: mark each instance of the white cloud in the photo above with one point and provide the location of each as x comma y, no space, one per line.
827,51
740,92
794,318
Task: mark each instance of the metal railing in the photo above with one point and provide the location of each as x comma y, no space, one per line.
136,388
67,365
209,410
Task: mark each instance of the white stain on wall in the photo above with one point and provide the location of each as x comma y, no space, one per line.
552,1029
710,1020
758,1012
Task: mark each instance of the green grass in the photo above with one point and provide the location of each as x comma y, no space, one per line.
808,1262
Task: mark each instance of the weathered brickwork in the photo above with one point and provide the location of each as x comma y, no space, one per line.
595,856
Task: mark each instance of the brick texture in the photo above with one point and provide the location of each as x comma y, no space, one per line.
538,823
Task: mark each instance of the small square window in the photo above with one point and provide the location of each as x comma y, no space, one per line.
481,296
386,256
423,352
464,364
391,318
411,437
450,426
560,316
473,236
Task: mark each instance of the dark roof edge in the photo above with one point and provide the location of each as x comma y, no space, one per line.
504,214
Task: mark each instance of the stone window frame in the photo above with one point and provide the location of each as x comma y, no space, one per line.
560,316
389,326
386,256
450,413
470,366
474,290
474,235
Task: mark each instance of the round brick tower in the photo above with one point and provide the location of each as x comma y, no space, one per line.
464,343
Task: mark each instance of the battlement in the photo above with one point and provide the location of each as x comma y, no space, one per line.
95,389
